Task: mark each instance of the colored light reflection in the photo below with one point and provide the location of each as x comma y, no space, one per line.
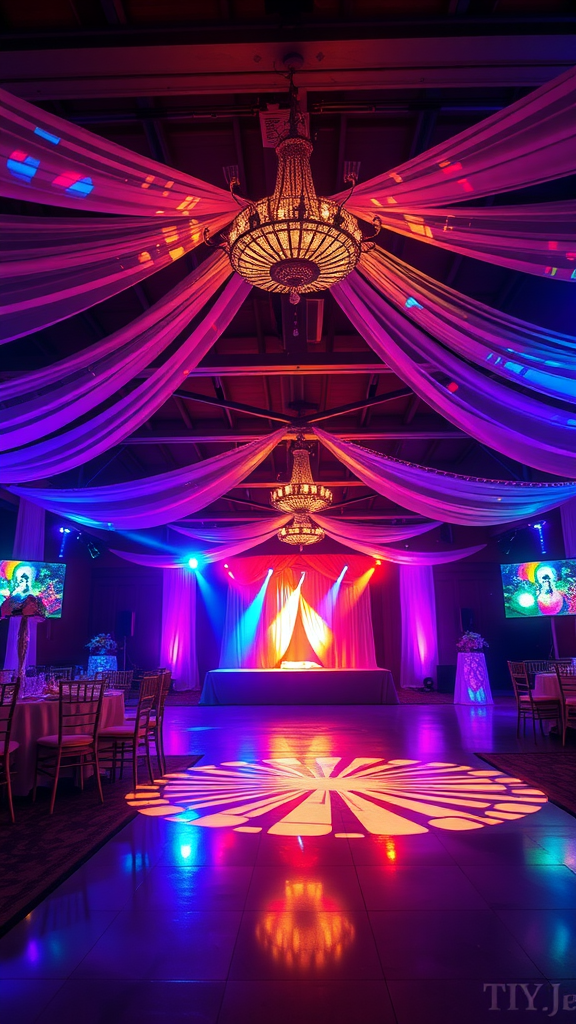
22,166
305,929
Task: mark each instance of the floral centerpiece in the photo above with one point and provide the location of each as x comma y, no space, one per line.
102,643
470,642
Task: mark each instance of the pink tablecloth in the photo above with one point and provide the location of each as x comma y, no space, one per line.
33,719
546,685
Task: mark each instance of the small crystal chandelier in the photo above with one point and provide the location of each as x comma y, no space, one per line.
301,495
301,531
295,241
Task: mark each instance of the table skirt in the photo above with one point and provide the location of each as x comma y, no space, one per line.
299,686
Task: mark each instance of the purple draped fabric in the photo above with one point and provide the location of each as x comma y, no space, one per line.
155,500
254,532
178,639
531,141
536,239
54,267
525,428
369,539
419,651
81,443
45,159
93,376
456,499
539,359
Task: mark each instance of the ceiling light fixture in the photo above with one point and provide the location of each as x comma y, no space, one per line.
301,495
295,241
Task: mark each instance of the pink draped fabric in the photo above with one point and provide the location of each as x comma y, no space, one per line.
466,500
54,267
535,239
178,640
539,359
156,500
45,159
369,540
527,429
93,376
531,141
28,543
204,556
81,443
419,651
255,532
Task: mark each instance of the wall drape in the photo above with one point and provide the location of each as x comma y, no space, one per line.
28,543
468,501
568,518
525,428
85,441
369,540
178,643
73,387
54,267
46,159
535,357
155,500
419,634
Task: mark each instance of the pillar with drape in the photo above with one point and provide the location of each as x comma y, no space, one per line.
419,652
28,543
178,643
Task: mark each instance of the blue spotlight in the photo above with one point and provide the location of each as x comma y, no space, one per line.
65,531
193,563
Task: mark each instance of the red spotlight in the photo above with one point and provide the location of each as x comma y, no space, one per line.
378,561
452,386
226,566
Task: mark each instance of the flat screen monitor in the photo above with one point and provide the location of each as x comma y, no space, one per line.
45,580
537,589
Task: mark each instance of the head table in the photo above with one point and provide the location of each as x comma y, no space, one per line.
35,717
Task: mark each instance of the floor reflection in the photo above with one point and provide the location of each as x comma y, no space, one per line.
305,929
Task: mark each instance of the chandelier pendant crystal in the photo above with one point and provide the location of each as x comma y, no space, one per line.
301,496
301,531
295,241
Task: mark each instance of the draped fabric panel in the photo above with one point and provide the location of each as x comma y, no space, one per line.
467,501
255,532
536,358
28,543
364,539
54,267
338,621
419,634
88,439
529,142
45,159
75,386
344,530
178,643
535,239
539,434
156,500
568,517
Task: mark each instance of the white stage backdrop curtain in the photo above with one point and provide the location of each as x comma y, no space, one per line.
468,501
178,643
73,387
419,649
28,543
83,442
54,267
524,427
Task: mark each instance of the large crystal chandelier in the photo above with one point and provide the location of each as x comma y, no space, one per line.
301,495
295,241
301,531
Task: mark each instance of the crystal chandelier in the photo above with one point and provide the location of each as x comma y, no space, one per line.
301,494
295,241
301,531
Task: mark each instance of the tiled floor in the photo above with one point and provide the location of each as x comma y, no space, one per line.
171,922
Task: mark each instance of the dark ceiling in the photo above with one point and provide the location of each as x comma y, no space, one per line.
184,82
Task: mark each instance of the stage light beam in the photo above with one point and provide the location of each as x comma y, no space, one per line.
193,563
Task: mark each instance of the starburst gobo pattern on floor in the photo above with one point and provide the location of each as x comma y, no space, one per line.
296,798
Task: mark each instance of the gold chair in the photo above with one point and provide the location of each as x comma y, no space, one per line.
128,738
118,680
567,682
76,743
541,709
157,717
8,697
65,674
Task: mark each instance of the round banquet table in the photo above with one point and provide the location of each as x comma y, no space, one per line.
546,685
34,718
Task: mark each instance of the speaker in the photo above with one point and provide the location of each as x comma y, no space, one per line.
445,678
125,622
466,619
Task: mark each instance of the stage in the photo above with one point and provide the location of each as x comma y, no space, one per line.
299,686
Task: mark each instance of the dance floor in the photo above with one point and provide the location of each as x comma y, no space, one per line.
180,923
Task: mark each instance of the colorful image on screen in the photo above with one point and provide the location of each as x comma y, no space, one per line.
45,580
533,589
